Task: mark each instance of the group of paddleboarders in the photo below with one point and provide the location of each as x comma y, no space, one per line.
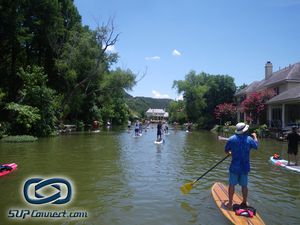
238,146
138,128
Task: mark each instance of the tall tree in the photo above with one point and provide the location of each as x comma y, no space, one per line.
202,93
45,40
193,90
12,36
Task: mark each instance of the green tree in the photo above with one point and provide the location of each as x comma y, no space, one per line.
67,66
91,89
37,105
177,112
202,93
24,117
241,87
193,90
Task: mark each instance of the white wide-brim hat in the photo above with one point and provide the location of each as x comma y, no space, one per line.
241,128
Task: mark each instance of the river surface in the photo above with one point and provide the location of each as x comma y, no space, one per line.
118,179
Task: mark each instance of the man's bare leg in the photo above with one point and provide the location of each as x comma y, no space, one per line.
245,194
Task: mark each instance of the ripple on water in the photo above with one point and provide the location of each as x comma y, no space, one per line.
123,180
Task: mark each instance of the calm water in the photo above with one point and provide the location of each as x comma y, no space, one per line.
122,180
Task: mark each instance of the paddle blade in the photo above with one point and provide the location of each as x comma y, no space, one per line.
185,189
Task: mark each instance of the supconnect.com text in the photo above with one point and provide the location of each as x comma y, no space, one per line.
39,214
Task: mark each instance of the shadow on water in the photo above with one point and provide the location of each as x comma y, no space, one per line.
121,179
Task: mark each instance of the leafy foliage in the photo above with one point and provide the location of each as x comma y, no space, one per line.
177,112
202,93
25,116
57,70
255,104
225,112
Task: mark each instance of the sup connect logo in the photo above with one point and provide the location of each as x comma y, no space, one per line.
40,191
47,191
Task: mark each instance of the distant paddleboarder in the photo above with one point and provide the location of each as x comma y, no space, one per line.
159,128
136,128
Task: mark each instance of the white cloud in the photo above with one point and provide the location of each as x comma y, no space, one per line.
152,58
156,94
111,48
176,53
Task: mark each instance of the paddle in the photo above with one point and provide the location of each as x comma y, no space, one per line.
185,189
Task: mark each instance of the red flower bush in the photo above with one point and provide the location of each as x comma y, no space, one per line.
255,104
225,111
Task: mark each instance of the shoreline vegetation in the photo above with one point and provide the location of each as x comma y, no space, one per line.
18,139
56,71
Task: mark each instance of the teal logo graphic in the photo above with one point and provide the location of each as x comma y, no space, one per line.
34,191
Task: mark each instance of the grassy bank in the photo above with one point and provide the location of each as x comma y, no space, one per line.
19,138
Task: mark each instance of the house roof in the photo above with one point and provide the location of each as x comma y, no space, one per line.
250,88
292,94
156,111
290,73
287,74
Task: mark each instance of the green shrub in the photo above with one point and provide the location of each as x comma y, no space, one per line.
19,138
80,126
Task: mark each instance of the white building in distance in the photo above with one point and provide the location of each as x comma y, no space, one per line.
157,114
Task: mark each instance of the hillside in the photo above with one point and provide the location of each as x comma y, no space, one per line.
142,104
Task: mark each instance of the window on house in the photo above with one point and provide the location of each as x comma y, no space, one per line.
241,117
276,114
276,90
276,117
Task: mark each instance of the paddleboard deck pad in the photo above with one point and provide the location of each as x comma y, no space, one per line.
220,195
13,167
283,163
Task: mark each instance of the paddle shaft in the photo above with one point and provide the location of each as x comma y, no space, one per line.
211,168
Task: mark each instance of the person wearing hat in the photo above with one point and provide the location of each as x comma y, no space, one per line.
293,140
239,146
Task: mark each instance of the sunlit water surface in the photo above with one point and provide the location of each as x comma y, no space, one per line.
123,180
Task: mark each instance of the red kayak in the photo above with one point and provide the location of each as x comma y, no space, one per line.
13,167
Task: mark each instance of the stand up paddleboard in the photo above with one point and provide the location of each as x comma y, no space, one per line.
159,142
95,131
12,165
220,195
283,163
139,135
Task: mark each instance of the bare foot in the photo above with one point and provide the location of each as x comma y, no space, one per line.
228,206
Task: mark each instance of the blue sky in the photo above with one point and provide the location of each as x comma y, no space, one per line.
169,38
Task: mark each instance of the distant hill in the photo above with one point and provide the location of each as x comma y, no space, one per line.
141,104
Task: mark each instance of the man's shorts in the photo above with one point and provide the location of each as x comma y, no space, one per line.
241,179
292,151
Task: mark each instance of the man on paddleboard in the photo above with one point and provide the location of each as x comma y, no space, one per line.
239,146
293,140
159,128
